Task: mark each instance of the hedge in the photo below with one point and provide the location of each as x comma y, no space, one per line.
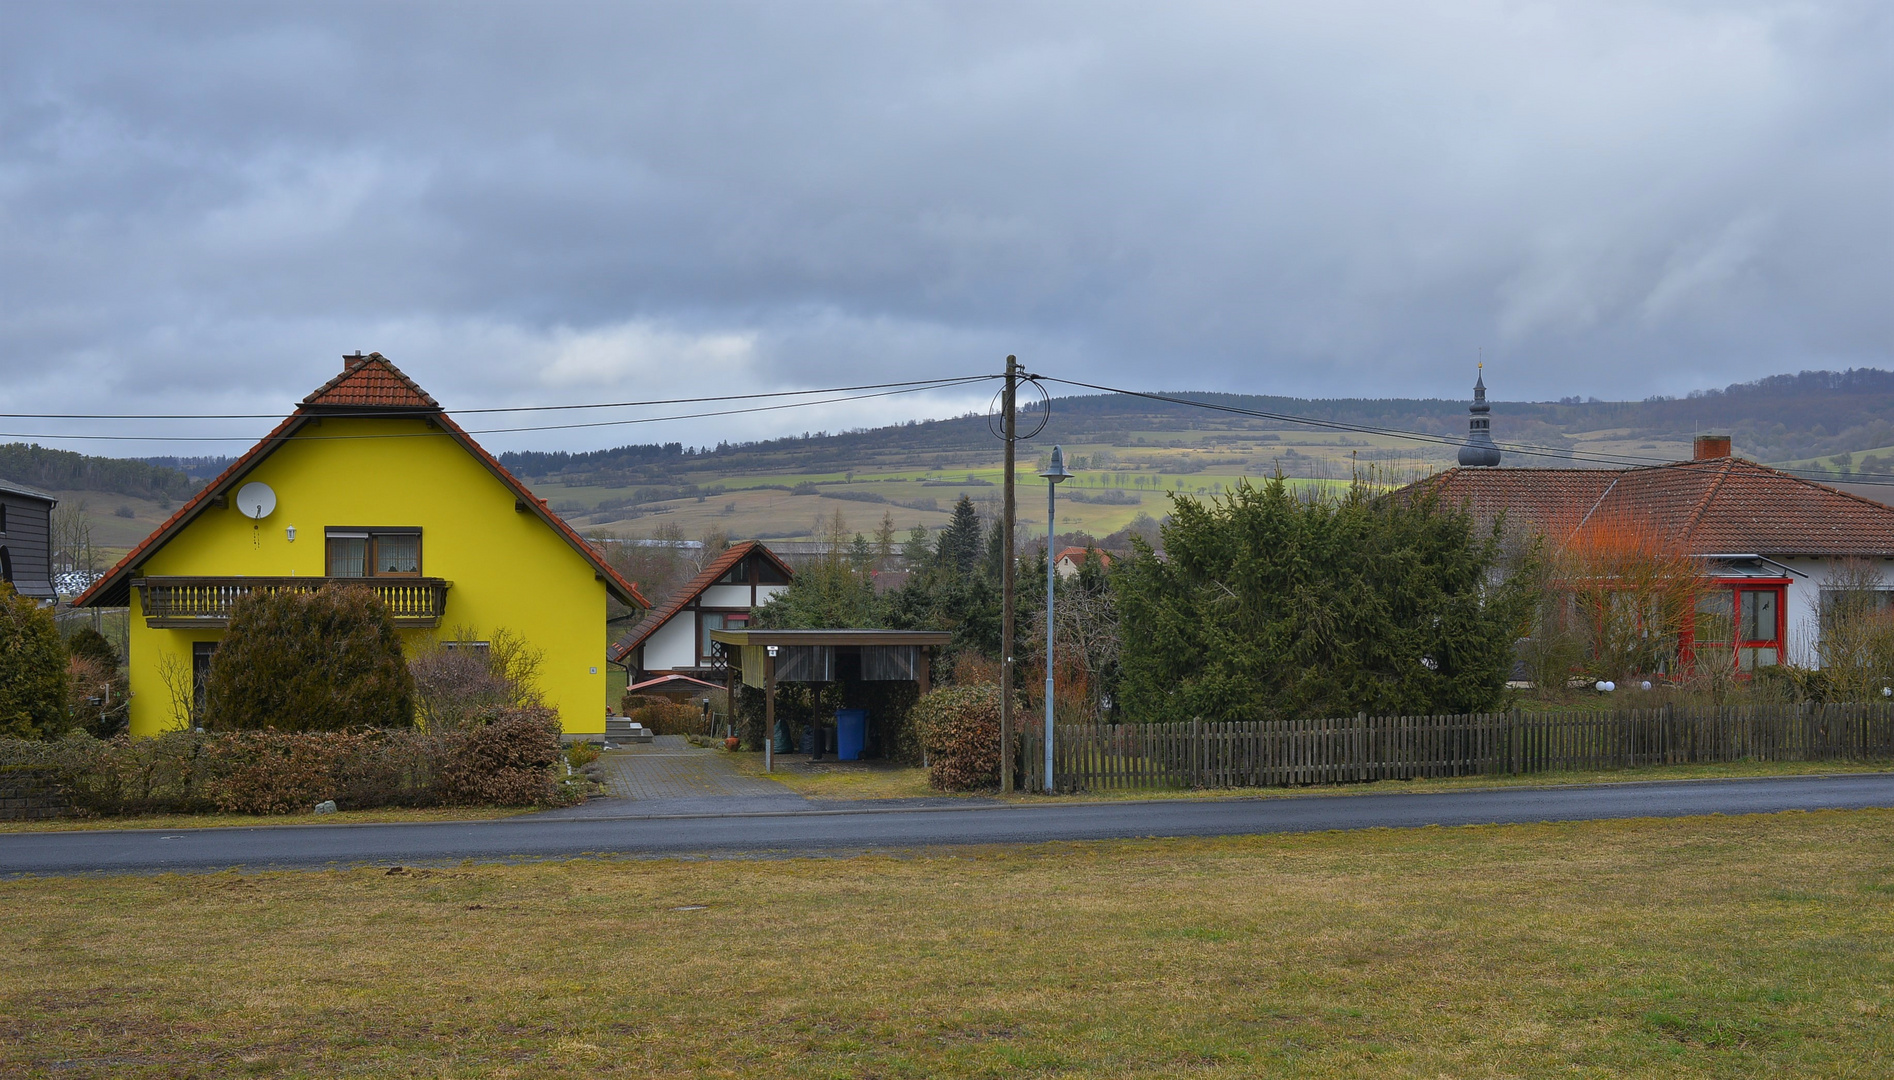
960,728
507,761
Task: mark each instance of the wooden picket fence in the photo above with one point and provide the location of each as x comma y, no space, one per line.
1273,753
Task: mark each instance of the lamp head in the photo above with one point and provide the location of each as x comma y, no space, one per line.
1055,472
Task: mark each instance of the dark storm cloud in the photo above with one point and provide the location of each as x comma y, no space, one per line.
201,206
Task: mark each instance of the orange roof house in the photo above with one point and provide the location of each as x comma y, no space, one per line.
368,481
1771,542
1071,559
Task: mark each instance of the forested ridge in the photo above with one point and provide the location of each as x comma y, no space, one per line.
1813,414
65,470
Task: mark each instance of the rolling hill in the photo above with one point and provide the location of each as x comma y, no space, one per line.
1130,454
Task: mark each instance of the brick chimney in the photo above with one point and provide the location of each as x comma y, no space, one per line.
1710,447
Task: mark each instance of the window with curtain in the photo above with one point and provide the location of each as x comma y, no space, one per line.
374,553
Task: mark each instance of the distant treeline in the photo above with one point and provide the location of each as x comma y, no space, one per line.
197,468
48,469
1780,418
544,463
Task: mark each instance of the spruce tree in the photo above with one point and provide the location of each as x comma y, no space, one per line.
959,549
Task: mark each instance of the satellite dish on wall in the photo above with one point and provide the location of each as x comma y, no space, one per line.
256,500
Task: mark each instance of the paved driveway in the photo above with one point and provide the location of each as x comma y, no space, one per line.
670,776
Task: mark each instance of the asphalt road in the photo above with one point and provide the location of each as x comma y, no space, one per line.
855,829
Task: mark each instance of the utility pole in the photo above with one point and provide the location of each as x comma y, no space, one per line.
1010,433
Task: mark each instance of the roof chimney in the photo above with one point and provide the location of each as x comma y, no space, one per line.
1710,447
348,360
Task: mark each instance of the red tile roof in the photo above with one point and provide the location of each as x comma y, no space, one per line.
369,382
1720,506
1077,555
691,590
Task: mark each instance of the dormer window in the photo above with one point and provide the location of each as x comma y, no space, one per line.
389,552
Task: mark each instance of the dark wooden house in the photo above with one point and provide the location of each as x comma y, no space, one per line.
26,549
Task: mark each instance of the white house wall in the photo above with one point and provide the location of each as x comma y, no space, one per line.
1805,599
673,645
725,596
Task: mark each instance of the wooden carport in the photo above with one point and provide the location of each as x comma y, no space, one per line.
760,657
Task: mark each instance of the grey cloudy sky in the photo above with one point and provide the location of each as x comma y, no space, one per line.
202,206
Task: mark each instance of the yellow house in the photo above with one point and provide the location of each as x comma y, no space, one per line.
368,482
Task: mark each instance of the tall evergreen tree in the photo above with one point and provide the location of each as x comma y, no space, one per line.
959,549
1269,605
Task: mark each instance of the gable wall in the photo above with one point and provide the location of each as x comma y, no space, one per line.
674,646
508,568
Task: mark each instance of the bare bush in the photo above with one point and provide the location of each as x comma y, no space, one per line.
459,679
1855,643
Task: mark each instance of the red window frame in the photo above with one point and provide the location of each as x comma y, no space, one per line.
1736,587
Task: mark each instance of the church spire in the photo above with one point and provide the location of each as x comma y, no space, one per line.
1479,451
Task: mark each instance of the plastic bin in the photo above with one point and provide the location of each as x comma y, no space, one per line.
851,731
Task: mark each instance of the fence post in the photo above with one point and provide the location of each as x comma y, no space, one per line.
1359,751
1196,752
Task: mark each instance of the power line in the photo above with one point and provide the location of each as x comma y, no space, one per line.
923,383
905,388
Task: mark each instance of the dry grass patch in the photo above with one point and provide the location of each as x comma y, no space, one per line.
1723,771
1713,947
843,780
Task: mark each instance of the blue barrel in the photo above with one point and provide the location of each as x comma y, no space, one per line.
851,731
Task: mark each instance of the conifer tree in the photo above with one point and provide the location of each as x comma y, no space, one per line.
32,669
959,549
1270,605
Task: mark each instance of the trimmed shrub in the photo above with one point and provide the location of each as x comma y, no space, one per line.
960,728
506,761
32,670
309,661
272,772
661,716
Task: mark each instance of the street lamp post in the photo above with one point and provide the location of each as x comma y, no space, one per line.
1055,474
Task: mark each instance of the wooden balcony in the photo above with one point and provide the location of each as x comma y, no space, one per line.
181,603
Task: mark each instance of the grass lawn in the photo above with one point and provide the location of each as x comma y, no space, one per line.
1721,771
843,780
877,780
1707,947
224,821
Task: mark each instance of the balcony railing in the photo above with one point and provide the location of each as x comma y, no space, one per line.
185,602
